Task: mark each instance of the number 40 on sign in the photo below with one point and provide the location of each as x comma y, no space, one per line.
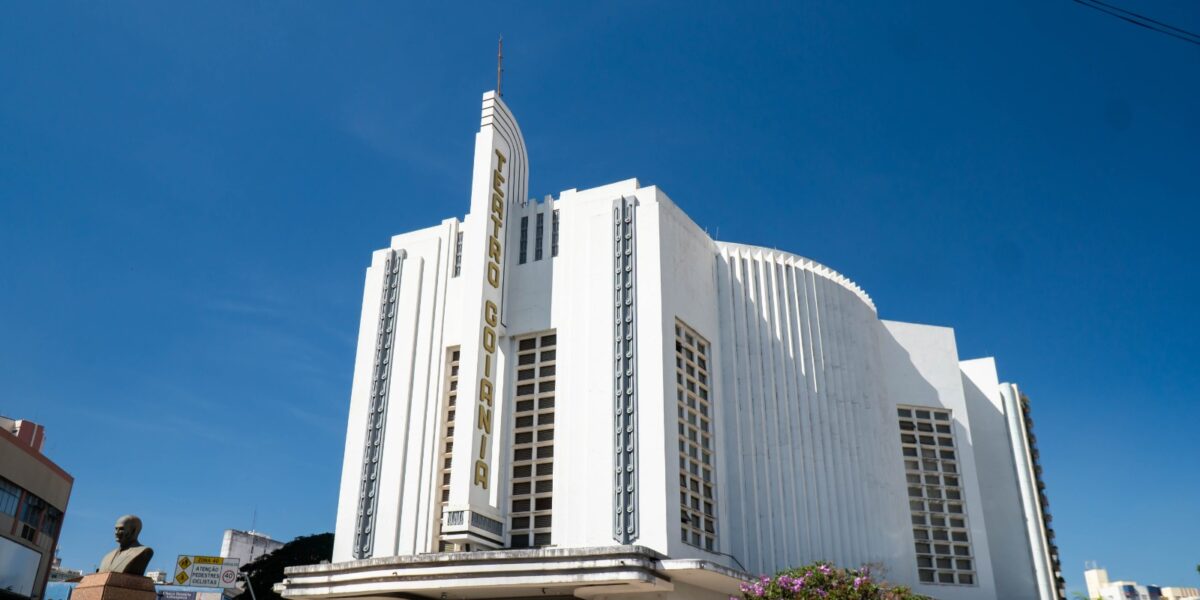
206,571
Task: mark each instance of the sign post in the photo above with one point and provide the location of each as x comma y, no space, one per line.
206,571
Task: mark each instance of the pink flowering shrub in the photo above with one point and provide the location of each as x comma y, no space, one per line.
822,581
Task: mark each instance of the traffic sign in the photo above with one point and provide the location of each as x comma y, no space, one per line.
206,571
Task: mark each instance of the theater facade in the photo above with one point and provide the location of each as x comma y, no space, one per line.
587,396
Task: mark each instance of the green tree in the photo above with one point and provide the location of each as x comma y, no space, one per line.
267,570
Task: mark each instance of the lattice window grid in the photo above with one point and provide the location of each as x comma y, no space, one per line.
935,496
532,481
446,443
697,500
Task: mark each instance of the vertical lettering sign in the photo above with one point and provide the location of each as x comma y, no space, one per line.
491,320
498,179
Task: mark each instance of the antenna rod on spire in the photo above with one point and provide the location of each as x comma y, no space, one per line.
499,66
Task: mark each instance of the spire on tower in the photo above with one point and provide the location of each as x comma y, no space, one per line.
499,66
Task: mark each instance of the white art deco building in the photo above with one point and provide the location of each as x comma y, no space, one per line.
589,397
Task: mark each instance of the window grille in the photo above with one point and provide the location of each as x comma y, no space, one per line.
533,442
524,239
446,445
554,234
538,235
935,496
697,503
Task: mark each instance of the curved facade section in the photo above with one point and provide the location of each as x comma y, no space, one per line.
811,462
798,261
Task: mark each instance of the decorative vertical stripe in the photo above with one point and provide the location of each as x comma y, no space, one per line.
458,254
377,406
625,522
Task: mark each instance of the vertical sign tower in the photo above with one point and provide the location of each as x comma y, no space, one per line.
499,180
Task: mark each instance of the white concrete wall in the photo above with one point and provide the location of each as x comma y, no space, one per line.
922,369
572,295
402,523
810,470
582,311
678,281
1004,512
1026,485
1096,580
343,541
246,546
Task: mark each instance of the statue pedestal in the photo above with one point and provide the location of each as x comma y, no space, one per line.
114,586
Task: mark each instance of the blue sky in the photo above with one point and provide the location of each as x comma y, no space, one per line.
189,194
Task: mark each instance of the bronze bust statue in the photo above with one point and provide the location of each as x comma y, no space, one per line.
130,556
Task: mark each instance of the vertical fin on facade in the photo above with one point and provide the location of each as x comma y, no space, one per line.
1050,548
625,519
385,335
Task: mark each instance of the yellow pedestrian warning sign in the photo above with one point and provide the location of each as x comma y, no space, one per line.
206,571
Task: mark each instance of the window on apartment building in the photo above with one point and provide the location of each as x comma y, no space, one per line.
554,233
30,515
697,503
935,496
457,254
524,239
538,235
10,494
446,444
32,509
51,521
533,442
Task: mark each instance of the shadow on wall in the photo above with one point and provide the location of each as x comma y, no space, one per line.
906,385
1004,511
814,468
